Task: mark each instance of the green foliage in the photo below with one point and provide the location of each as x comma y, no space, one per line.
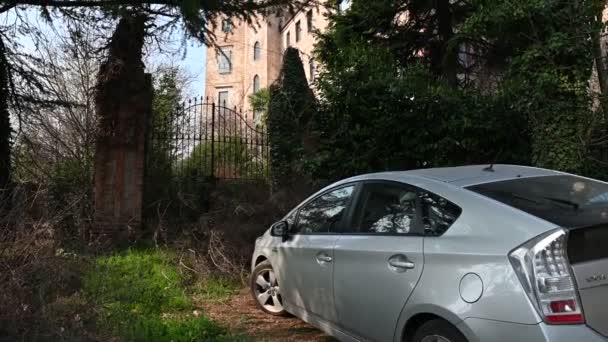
259,103
232,157
395,94
381,117
142,297
259,100
291,107
218,289
159,166
546,48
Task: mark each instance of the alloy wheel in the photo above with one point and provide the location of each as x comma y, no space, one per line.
435,338
267,291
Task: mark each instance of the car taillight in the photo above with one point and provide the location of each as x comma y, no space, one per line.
544,271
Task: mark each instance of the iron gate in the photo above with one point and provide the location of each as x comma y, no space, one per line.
203,140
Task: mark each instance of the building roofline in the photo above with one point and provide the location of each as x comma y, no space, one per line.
282,28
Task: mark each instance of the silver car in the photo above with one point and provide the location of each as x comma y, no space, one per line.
475,253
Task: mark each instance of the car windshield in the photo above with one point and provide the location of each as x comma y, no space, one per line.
569,201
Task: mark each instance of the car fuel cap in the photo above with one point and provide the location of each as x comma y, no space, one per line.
471,288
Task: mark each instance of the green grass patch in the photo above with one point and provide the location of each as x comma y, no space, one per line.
216,289
142,298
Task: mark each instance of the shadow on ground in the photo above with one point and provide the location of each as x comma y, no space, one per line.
241,315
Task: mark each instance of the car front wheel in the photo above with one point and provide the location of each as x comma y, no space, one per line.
438,331
265,289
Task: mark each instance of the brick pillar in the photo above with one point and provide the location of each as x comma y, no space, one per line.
119,170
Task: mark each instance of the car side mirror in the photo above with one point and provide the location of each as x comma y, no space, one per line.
280,229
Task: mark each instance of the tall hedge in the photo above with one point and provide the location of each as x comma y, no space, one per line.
291,106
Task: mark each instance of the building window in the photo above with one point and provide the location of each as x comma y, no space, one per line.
257,51
222,98
256,84
226,26
311,70
309,21
224,60
298,31
288,39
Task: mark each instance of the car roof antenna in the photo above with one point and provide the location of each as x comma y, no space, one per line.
489,168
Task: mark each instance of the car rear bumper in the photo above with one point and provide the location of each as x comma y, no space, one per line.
481,330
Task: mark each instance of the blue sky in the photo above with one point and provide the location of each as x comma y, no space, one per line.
193,63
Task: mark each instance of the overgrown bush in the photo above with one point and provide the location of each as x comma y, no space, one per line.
233,158
378,116
458,83
70,197
40,282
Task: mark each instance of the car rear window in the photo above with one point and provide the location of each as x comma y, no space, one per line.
568,201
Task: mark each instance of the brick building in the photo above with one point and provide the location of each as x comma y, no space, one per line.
248,58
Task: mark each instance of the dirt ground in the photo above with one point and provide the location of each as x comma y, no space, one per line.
241,315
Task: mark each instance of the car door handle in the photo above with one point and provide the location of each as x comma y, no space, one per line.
400,263
323,258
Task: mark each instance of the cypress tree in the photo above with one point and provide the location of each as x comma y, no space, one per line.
292,105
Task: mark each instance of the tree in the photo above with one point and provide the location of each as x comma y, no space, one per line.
196,18
259,103
5,127
165,112
547,51
516,72
416,31
291,107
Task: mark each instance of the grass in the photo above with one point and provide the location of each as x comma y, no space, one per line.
216,289
142,298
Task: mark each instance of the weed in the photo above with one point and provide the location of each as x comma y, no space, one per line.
218,289
142,297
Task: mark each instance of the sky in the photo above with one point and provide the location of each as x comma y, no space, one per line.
193,62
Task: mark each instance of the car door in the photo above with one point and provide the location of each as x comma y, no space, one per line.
378,259
306,259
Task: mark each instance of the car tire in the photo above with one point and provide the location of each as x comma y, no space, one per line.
438,331
265,290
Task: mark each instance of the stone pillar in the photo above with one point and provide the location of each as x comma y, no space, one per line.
123,102
119,174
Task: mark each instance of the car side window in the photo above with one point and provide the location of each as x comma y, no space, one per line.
291,218
323,214
438,214
385,208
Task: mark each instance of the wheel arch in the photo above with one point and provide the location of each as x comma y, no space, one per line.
413,319
260,259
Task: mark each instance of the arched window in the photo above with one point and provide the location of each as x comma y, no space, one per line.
256,84
257,51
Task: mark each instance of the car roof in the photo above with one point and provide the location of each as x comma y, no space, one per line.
464,176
